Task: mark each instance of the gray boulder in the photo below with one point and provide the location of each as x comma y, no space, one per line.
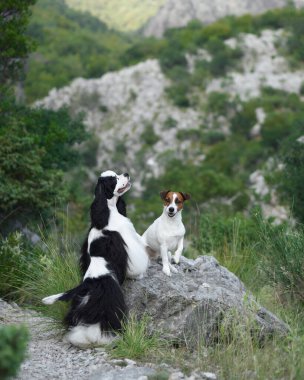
200,303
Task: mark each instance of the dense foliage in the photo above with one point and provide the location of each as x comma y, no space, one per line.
14,45
36,148
13,343
70,44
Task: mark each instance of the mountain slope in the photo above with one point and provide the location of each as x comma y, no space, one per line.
177,13
69,44
124,15
219,132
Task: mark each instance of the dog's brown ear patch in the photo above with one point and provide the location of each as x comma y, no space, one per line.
163,194
185,196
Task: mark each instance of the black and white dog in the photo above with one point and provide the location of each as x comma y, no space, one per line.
111,251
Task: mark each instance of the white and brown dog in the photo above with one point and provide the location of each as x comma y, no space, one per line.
166,234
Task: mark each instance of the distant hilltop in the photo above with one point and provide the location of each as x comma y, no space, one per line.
154,17
177,13
123,15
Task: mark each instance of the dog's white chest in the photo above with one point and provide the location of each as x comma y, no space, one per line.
138,258
165,233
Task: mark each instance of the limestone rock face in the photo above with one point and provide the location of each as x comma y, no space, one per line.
177,13
198,302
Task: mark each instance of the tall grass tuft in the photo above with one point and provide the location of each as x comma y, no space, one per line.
56,271
136,342
28,274
283,259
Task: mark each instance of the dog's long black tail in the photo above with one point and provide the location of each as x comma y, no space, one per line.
96,312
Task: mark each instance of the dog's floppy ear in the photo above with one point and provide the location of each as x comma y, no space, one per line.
99,209
163,194
185,196
121,206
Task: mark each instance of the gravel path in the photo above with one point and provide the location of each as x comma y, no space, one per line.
51,358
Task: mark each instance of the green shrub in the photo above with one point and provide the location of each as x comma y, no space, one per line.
178,94
212,137
189,134
172,56
218,103
277,126
170,123
13,344
224,57
148,136
243,121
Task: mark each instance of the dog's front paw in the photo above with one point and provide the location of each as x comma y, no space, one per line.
166,270
173,269
176,259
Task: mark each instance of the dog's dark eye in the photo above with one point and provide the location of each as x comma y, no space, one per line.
177,201
167,200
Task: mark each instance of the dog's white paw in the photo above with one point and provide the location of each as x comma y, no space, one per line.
166,270
173,269
176,259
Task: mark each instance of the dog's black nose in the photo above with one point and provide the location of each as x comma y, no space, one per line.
171,209
126,175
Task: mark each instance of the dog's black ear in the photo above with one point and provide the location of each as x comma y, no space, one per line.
163,194
121,206
85,259
99,209
185,196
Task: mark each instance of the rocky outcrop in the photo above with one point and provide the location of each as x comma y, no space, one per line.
125,109
260,67
177,13
199,303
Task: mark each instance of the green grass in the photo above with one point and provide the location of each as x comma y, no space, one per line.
30,274
136,341
250,247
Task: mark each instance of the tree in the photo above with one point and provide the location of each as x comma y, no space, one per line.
15,45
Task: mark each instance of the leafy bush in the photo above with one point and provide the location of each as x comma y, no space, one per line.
277,126
13,344
178,94
15,45
212,137
36,147
224,57
218,103
148,136
243,121
170,123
